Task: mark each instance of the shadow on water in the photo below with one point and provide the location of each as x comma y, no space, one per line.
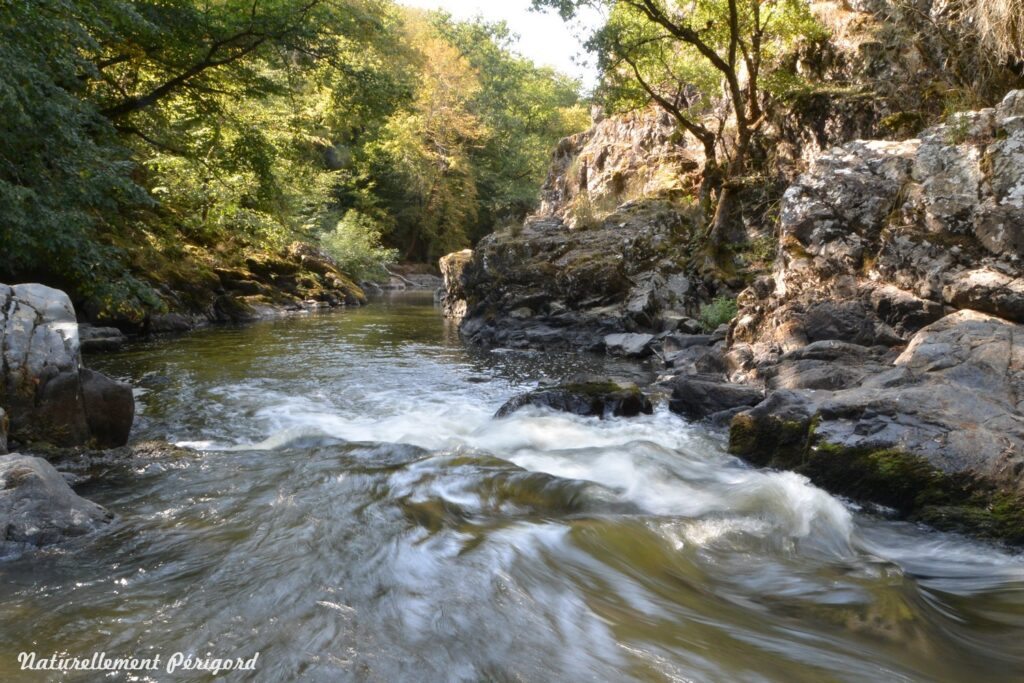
351,511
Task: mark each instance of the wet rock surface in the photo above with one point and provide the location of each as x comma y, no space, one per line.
38,507
589,397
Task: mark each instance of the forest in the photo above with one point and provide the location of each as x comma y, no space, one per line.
146,141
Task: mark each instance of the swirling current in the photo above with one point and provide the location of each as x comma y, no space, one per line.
349,509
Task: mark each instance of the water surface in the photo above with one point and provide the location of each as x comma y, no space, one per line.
352,512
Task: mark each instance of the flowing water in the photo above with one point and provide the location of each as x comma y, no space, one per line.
351,511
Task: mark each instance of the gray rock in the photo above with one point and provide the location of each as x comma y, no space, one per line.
601,398
100,339
41,387
4,425
37,507
879,239
938,434
109,408
629,344
697,397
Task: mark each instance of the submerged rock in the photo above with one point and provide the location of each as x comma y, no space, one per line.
590,398
44,389
37,507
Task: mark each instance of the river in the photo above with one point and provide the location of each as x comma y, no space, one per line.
351,511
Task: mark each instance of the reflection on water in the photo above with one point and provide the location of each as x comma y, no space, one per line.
353,513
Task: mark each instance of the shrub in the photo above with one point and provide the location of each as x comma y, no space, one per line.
355,245
720,311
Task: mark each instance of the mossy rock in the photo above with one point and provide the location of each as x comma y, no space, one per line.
905,482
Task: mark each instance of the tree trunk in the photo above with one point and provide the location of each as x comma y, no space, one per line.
727,224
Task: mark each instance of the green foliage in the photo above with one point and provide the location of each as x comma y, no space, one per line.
355,245
718,312
135,133
471,146
641,57
63,174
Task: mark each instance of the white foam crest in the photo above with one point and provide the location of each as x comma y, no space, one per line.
666,469
544,431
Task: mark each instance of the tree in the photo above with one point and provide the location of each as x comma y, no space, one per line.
64,176
684,56
526,109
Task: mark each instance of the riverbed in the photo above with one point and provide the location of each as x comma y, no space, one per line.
349,509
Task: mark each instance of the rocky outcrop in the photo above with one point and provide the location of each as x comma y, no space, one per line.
607,252
453,297
879,239
46,393
601,398
546,285
939,435
639,154
890,338
37,507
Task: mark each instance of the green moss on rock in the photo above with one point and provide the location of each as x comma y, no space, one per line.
908,483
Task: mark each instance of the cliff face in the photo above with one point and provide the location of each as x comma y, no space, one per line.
889,339
879,239
632,156
606,251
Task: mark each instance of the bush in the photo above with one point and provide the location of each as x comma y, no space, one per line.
718,312
355,245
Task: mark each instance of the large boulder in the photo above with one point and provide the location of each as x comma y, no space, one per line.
46,393
453,298
37,507
938,435
603,398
